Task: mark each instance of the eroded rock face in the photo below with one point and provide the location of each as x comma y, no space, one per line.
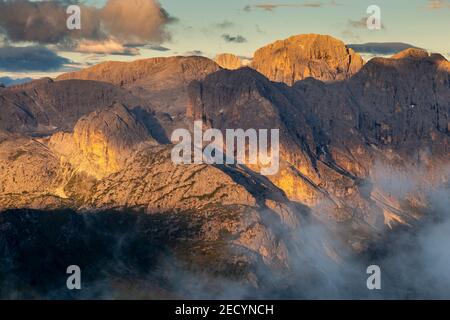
110,162
162,81
338,139
310,55
228,61
393,112
43,106
101,141
27,166
29,174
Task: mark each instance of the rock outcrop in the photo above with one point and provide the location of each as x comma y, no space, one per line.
393,111
228,61
44,106
162,81
101,141
310,55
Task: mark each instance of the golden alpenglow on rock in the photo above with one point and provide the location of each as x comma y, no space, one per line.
228,61
312,55
221,150
102,141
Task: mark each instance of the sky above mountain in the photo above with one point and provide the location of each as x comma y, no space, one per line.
134,29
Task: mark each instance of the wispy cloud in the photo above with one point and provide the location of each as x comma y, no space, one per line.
225,24
438,4
194,53
259,29
105,47
273,6
360,24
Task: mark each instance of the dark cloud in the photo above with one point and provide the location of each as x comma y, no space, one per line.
138,22
33,58
234,39
7,81
381,48
158,48
44,22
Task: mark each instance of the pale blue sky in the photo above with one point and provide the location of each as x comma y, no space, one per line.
409,21
197,28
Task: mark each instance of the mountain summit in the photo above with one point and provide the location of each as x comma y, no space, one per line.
309,55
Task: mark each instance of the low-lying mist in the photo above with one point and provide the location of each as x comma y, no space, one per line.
131,255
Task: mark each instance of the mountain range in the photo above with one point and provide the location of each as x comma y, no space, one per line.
364,149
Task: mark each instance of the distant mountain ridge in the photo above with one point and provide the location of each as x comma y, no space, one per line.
162,81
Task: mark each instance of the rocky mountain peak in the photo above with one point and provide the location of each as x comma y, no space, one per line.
228,61
163,81
102,140
309,55
127,73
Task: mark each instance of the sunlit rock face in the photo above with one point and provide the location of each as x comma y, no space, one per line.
335,135
310,55
18,153
101,141
110,161
361,150
228,61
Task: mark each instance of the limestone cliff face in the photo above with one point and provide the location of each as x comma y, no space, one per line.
228,61
101,141
224,201
237,220
110,162
310,55
393,111
69,145
27,166
45,106
246,99
162,81
29,174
